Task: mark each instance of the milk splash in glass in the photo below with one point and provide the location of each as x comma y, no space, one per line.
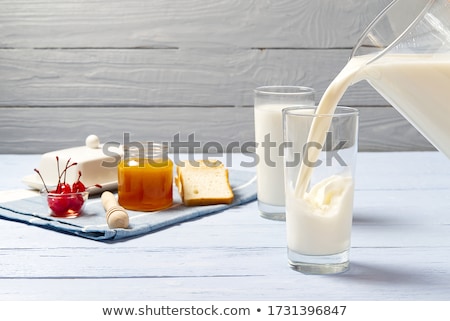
408,63
319,222
397,78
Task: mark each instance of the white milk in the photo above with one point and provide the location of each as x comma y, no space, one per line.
327,105
417,85
320,223
268,119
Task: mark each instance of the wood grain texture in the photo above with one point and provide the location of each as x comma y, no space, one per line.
184,23
369,279
157,68
169,77
395,256
38,130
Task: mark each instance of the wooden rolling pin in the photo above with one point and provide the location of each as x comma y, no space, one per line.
116,215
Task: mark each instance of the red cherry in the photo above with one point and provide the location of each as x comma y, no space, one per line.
63,188
65,200
63,204
59,204
78,187
76,202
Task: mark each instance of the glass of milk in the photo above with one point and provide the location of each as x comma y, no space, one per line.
269,102
320,154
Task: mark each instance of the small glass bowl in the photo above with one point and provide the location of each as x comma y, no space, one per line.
66,205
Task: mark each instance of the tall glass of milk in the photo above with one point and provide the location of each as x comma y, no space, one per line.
268,104
319,221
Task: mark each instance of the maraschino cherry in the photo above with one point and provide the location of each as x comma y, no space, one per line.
65,199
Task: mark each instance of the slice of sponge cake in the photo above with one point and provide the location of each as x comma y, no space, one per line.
203,182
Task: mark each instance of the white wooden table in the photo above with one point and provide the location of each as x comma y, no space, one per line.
400,247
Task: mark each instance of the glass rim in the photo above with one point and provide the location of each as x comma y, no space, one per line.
282,90
44,192
147,149
339,111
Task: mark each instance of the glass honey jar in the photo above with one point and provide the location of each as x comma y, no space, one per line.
145,177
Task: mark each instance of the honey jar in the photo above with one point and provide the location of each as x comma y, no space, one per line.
145,176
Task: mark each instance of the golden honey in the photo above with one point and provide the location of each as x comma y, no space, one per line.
145,182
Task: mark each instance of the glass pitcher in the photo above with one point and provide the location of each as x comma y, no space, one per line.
407,54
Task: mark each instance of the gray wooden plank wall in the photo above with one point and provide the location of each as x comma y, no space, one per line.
158,68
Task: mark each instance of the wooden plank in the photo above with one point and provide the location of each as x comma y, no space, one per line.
384,129
370,278
38,130
226,261
169,77
404,171
181,23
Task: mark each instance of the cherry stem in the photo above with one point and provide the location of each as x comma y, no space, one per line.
42,179
65,170
59,173
67,164
95,185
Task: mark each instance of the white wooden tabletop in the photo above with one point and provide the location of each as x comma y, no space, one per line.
400,247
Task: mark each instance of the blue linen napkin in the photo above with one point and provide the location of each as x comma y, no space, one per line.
92,224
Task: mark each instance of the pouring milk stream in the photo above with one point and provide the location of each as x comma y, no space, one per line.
412,72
